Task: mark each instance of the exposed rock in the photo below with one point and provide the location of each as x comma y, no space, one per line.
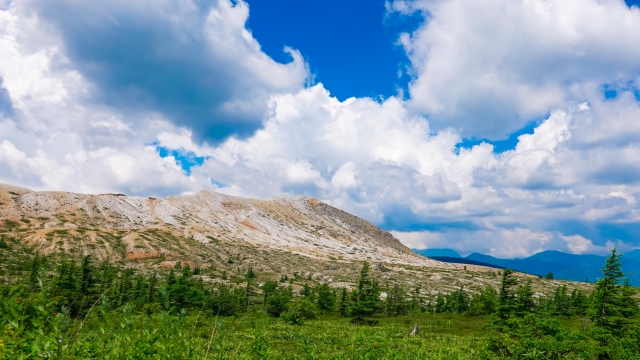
415,330
380,267
298,225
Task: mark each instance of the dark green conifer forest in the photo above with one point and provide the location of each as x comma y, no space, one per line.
91,310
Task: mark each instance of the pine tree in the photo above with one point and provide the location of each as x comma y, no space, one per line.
606,307
561,301
171,279
629,304
507,297
35,272
86,280
250,273
461,301
524,300
151,290
578,302
441,304
306,291
396,302
415,298
125,287
249,292
344,303
611,305
326,298
365,298
268,289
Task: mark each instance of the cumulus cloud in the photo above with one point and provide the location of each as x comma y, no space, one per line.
379,161
120,98
192,61
488,67
86,88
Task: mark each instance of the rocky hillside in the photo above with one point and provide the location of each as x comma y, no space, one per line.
52,222
222,234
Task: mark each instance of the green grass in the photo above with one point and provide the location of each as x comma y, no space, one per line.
258,337
121,334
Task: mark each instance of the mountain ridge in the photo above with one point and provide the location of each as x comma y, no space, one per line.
564,266
224,236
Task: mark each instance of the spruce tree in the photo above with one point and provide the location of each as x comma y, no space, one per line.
461,301
607,302
578,302
364,298
612,305
441,304
396,302
507,298
326,298
561,301
249,292
250,273
344,303
415,298
524,300
268,288
151,290
36,272
86,281
629,304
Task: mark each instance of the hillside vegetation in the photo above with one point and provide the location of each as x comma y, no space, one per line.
212,276
84,310
224,235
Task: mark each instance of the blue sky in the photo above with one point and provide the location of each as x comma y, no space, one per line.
493,126
350,45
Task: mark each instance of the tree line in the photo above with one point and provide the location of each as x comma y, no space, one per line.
521,321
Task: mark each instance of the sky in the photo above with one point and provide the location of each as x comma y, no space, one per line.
495,126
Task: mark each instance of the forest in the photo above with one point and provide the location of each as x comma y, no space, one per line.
88,310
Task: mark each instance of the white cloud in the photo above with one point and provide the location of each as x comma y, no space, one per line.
487,67
382,163
62,135
378,159
579,245
194,62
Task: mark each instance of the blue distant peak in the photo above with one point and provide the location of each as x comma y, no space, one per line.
564,266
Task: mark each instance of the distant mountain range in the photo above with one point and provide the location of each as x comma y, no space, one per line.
563,266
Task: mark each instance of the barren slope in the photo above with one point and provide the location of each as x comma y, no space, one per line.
298,237
300,225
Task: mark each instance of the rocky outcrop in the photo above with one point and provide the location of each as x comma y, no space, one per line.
54,221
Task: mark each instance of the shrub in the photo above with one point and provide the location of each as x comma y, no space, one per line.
299,311
277,303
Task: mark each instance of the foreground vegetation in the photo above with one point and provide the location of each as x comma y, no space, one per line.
76,311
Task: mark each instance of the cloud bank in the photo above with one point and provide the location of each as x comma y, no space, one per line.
175,97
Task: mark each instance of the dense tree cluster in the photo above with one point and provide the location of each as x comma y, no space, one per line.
525,324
